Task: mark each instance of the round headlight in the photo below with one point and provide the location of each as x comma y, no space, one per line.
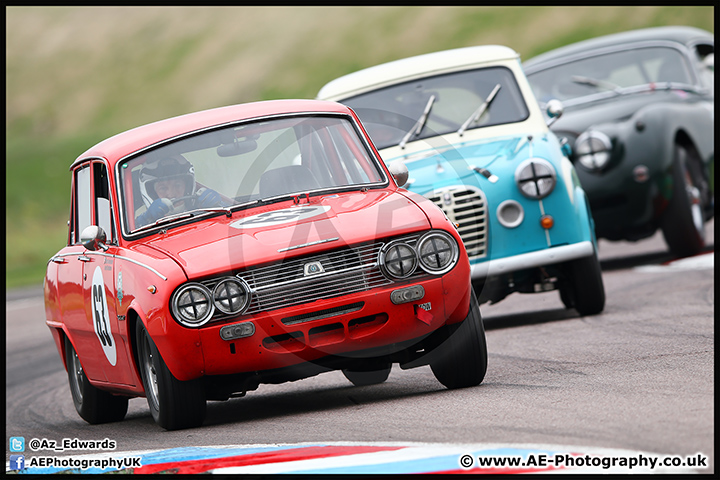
192,305
231,296
593,149
398,259
438,252
535,177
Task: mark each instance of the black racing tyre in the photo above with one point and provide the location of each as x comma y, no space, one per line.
174,404
683,223
461,360
92,404
371,377
566,295
584,290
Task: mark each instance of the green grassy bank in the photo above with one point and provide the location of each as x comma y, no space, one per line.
77,75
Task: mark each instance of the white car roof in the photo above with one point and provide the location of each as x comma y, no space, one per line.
419,66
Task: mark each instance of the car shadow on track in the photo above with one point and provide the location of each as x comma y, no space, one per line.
652,258
306,396
512,320
283,407
314,398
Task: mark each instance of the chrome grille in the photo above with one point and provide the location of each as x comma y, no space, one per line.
346,270
466,207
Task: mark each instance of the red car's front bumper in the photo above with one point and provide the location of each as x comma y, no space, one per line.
371,321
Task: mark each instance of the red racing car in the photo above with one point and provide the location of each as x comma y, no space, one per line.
256,243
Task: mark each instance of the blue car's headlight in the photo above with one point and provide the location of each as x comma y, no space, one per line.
593,150
536,178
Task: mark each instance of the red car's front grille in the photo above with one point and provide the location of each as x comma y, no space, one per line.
285,284
344,271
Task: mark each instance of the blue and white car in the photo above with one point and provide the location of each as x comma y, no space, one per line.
467,127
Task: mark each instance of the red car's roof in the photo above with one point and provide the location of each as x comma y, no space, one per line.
123,144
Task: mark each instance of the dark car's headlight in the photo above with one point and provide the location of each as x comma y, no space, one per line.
536,178
438,252
593,150
398,259
192,305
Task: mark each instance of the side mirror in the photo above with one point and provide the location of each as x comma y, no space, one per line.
93,238
709,62
554,110
399,171
565,147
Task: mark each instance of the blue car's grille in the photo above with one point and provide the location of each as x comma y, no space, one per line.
467,208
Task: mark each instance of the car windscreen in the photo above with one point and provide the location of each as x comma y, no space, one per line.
390,113
259,161
610,71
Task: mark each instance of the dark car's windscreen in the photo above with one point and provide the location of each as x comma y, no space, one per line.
601,73
258,161
390,113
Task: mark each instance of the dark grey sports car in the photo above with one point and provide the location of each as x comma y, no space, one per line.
638,114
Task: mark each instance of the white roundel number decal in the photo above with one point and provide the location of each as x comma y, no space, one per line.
292,214
101,317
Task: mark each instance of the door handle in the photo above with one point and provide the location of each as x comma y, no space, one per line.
84,258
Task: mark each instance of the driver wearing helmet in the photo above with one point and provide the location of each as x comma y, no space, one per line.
167,186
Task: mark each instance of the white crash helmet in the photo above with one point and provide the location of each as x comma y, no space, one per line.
163,169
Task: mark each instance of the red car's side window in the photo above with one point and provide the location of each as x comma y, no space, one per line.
83,202
103,209
91,201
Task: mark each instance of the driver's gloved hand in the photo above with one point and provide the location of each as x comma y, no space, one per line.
207,198
158,209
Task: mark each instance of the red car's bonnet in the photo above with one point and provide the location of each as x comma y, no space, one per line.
276,231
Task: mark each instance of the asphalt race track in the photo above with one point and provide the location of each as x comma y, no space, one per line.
635,381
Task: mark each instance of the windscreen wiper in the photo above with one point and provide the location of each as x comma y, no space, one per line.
163,220
234,208
593,82
228,211
614,90
417,128
481,109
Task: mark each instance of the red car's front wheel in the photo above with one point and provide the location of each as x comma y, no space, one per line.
461,360
174,404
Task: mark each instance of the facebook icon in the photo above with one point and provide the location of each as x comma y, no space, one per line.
17,462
